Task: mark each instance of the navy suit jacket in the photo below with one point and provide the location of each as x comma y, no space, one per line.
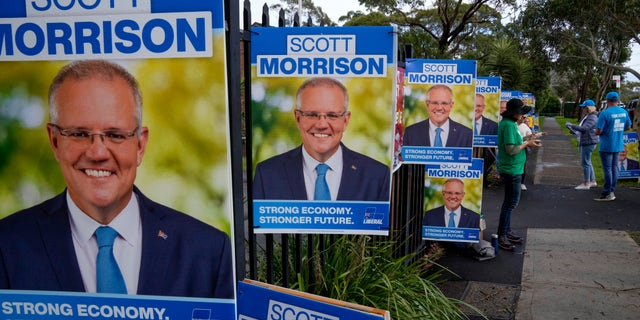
417,134
435,217
632,165
193,259
489,127
280,177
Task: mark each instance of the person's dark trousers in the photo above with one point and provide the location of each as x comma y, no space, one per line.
512,193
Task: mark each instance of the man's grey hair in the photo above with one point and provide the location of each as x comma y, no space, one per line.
85,69
322,82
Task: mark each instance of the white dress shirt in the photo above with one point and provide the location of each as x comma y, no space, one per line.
443,135
333,176
127,247
458,213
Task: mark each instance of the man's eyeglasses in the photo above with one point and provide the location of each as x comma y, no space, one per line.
81,136
450,193
439,103
315,116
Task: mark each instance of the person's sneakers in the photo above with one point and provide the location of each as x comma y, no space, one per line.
523,187
513,238
608,197
583,187
504,244
593,184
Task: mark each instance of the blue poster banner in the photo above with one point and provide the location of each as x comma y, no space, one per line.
323,108
43,305
68,30
331,217
338,52
629,157
506,95
414,154
487,111
439,110
261,301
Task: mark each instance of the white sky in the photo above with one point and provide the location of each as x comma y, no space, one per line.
337,8
333,8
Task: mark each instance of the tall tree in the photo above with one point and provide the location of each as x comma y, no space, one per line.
445,23
585,37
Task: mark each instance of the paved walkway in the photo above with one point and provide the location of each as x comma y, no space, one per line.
576,273
576,261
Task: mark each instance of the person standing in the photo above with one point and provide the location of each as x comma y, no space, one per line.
525,133
511,161
611,124
587,141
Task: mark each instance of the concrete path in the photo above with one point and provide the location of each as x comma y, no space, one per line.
576,273
580,274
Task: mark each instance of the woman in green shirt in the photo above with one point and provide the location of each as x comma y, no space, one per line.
511,161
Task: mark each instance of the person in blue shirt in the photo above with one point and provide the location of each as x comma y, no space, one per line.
611,124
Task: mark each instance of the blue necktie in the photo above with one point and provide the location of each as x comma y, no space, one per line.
621,166
438,141
108,275
452,221
475,128
322,189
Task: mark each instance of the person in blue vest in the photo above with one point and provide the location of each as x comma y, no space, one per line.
611,124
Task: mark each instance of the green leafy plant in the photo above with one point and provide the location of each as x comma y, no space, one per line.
362,270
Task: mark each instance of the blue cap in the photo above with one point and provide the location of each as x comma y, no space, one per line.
612,96
588,103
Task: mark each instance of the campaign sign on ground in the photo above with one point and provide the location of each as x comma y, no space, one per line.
485,129
257,301
439,106
453,202
628,158
43,305
322,96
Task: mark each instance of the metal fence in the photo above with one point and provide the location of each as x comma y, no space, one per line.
279,258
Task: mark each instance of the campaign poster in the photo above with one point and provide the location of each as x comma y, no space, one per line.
487,105
439,104
399,121
453,201
505,96
257,300
322,129
176,51
628,158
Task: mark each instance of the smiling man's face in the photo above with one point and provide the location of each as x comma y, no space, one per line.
439,104
99,173
321,137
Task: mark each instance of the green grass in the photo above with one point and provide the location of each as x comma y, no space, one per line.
635,235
